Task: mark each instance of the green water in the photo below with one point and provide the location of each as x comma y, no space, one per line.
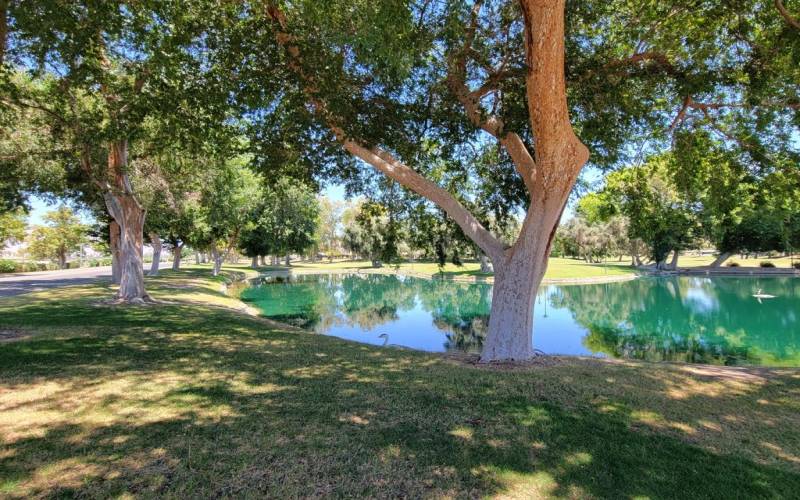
691,319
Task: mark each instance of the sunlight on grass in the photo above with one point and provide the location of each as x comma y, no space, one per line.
193,398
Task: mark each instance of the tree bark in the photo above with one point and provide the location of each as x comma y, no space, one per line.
263,260
197,257
177,254
721,258
288,260
116,271
156,242
130,216
126,210
254,263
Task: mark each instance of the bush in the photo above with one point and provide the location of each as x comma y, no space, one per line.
8,266
766,263
796,265
733,264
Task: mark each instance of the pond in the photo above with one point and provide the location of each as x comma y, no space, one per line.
692,319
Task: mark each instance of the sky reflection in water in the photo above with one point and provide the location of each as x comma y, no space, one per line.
693,319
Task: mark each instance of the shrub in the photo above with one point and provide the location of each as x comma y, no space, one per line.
766,263
733,264
7,266
796,265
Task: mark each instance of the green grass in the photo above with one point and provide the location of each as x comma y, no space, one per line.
193,399
557,268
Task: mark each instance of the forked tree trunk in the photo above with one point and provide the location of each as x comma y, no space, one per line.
177,255
130,216
156,242
721,258
126,210
116,271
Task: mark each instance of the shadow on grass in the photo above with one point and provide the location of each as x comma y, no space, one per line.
194,401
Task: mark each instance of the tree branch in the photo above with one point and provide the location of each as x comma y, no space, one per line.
787,15
471,101
377,157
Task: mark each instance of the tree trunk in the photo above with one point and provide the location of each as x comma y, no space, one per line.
156,242
254,263
62,259
177,254
116,272
130,216
126,210
516,281
197,258
721,258
288,260
673,264
263,260
216,258
486,266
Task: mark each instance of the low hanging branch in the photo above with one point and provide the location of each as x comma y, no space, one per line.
377,157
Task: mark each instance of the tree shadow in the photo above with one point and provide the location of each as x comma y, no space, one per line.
192,401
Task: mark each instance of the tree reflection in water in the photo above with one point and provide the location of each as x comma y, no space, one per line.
690,319
675,319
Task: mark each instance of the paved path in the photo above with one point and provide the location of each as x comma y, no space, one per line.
18,283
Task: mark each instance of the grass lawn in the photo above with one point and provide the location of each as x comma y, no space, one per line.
706,260
557,268
193,399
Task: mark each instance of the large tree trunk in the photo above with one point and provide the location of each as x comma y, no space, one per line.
156,242
116,270
123,206
516,281
130,216
62,259
177,254
721,258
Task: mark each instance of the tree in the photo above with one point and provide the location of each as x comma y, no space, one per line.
328,233
372,233
63,234
97,73
226,205
290,217
12,226
376,78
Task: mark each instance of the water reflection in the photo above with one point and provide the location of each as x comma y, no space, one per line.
688,319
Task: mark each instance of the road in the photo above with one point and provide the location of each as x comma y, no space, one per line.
19,283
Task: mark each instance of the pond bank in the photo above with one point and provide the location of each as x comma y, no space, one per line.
445,277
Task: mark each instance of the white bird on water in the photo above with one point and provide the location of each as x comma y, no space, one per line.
761,295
